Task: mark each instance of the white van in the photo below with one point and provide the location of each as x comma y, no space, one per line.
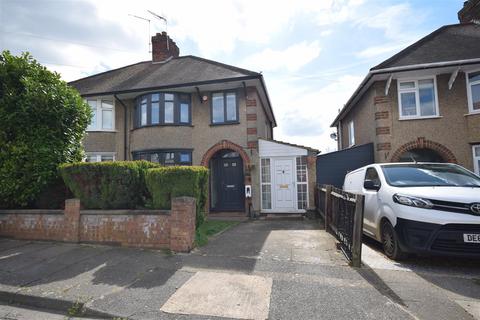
419,207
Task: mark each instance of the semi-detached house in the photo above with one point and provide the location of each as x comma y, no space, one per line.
424,102
186,110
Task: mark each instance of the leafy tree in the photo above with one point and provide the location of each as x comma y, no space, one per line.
42,124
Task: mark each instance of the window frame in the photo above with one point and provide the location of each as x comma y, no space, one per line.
177,155
469,91
476,167
179,98
305,183
237,107
417,97
351,133
263,184
99,155
99,114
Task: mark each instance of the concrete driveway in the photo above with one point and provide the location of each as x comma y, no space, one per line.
282,269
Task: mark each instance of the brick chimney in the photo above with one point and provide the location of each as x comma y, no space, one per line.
470,12
160,50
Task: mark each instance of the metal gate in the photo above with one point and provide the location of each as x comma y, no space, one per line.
332,167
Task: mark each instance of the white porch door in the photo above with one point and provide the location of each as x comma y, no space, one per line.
284,185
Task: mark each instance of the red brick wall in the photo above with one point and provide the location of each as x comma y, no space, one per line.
163,229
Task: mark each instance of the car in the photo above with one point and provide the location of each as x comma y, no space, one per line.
419,208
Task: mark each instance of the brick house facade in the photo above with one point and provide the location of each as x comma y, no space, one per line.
183,110
423,103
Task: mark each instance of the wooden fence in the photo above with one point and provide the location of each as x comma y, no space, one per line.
343,215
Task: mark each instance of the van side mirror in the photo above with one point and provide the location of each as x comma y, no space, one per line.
371,185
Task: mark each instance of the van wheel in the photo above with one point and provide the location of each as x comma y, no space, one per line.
390,243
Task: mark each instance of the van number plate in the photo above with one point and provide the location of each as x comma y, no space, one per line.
471,237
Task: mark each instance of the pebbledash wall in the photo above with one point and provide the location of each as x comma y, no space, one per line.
172,229
200,137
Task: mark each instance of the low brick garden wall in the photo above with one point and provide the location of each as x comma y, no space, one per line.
161,229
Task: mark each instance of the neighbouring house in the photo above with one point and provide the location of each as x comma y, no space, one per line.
424,102
186,110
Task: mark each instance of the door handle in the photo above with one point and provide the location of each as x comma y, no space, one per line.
230,186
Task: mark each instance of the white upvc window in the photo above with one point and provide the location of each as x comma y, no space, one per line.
473,91
351,134
302,183
103,118
266,183
476,158
417,98
99,156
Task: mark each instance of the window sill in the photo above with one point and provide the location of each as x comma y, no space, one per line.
223,124
88,131
163,125
472,113
419,118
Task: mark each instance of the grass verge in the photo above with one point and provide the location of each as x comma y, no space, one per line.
210,228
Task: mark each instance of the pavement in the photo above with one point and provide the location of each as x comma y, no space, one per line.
280,269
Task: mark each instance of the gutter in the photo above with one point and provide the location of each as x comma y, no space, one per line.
125,112
412,67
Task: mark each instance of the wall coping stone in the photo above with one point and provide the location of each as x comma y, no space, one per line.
32,211
119,212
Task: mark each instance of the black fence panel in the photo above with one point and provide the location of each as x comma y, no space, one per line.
332,167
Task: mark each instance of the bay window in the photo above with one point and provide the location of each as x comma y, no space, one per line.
417,98
224,107
103,115
473,89
181,157
162,109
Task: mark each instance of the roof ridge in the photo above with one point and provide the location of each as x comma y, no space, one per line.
108,71
415,45
290,144
224,65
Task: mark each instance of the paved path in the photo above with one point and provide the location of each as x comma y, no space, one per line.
283,269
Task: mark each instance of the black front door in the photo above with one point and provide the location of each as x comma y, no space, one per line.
228,182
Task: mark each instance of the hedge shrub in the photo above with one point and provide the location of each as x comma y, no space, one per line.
169,182
108,185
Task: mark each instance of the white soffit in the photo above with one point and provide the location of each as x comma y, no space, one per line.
276,149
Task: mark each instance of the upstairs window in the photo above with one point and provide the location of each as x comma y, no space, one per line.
473,88
351,134
224,107
102,115
417,98
163,109
166,157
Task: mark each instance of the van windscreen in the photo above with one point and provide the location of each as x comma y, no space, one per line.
428,175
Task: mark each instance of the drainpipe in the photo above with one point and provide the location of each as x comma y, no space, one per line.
124,126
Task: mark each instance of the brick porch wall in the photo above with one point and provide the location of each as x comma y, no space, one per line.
161,229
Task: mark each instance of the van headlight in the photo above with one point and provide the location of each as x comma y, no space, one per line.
412,201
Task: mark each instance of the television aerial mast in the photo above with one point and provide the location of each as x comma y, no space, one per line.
159,17
149,40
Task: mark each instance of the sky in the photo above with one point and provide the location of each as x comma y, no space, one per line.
312,53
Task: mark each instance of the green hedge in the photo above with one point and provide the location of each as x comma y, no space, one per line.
108,185
169,182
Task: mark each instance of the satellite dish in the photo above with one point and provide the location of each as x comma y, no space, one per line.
333,135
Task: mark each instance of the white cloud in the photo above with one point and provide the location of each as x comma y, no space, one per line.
304,113
375,51
292,58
